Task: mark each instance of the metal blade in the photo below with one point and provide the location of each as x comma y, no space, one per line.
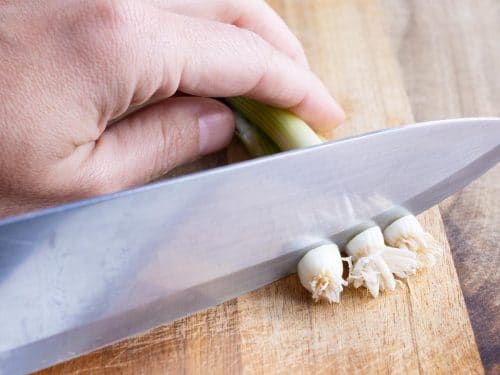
80,276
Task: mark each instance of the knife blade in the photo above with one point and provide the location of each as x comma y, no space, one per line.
80,276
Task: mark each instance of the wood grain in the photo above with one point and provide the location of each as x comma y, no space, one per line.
452,70
423,327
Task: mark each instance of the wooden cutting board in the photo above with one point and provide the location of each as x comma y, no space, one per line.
422,327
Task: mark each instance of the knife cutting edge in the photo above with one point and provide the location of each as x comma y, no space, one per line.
83,275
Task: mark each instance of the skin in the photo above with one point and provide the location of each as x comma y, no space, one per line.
69,68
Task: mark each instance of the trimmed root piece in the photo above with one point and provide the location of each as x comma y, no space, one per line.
407,233
327,287
375,263
320,272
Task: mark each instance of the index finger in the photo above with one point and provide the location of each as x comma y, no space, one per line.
254,15
166,52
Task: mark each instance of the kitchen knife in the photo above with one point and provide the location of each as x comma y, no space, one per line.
80,276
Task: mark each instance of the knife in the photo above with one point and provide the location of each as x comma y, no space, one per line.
80,276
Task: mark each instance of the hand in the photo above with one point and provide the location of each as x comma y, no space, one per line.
69,67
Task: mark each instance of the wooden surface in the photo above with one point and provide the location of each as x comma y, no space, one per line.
454,71
371,62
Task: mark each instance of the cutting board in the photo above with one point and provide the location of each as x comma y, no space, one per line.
421,327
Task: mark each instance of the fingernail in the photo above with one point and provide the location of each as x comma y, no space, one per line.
215,130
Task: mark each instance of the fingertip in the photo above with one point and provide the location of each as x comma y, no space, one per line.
339,114
320,111
330,113
216,127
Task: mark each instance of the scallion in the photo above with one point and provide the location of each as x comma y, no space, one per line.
285,129
255,140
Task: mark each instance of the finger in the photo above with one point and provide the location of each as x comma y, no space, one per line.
223,60
254,15
156,139
172,52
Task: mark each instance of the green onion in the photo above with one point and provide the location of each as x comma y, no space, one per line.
320,272
407,233
265,130
286,129
255,140
374,263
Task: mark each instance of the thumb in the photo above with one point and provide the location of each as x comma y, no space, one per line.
148,143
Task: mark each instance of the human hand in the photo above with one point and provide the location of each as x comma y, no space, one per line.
67,68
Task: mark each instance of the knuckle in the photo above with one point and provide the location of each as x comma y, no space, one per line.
261,50
94,182
103,25
264,58
110,15
172,144
97,188
173,147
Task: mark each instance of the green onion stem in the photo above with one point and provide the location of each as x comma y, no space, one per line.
255,140
286,129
